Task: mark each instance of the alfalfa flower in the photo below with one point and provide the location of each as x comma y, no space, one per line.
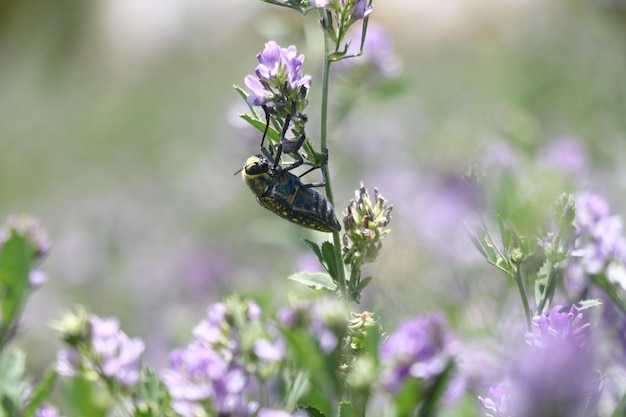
98,349
279,85
364,223
221,370
419,350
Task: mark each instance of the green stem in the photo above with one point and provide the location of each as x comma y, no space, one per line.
548,292
522,293
341,278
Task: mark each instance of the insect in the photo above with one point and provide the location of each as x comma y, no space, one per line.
284,194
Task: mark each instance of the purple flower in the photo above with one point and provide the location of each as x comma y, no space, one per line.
46,410
219,373
279,78
320,3
361,10
497,404
590,208
118,354
270,351
600,246
566,155
378,52
558,379
68,362
200,373
555,325
419,349
553,375
104,348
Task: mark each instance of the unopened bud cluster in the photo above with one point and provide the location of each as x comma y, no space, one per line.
364,225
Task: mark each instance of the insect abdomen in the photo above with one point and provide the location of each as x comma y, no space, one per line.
302,206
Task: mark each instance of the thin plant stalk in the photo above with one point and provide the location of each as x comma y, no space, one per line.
341,277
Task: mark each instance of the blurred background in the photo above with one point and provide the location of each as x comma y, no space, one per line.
119,131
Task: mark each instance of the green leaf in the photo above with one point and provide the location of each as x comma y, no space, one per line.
85,398
363,283
40,392
434,393
16,257
12,362
311,411
506,234
346,410
314,280
272,133
589,303
409,398
320,368
298,387
150,395
541,283
328,252
609,289
316,250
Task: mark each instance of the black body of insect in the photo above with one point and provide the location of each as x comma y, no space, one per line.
283,193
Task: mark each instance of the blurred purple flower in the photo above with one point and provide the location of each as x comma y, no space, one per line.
46,410
553,375
36,278
497,404
420,349
566,154
107,351
557,380
200,373
378,52
68,362
600,245
320,3
215,370
557,325
270,351
118,354
279,77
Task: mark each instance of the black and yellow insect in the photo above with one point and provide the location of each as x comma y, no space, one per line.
284,194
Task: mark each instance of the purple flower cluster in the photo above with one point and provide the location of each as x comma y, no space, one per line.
556,325
554,375
600,245
218,371
419,349
279,79
109,353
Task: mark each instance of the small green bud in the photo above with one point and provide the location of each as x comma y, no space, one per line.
73,326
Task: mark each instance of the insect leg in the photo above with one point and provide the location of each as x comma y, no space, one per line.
322,168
